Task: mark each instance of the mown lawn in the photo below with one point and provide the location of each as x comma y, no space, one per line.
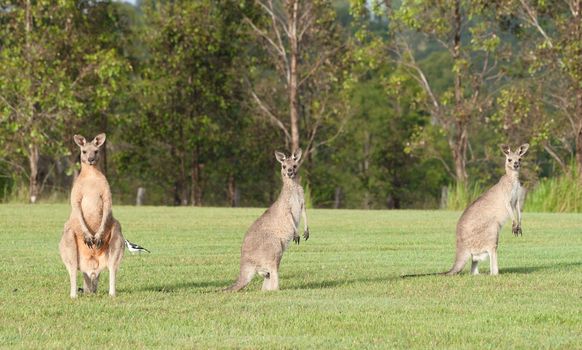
340,289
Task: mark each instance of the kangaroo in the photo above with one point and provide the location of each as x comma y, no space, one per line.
269,236
92,238
479,226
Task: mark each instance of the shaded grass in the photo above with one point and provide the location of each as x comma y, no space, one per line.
340,289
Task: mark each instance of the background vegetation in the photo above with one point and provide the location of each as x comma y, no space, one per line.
397,104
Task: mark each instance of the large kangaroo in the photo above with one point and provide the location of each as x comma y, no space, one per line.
270,234
92,238
479,226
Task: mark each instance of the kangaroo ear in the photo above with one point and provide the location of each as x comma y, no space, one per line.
297,154
99,140
523,148
280,156
505,149
79,140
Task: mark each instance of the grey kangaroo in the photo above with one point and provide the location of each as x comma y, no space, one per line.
92,238
269,236
479,226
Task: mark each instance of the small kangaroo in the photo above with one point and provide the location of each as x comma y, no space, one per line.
92,238
479,226
269,236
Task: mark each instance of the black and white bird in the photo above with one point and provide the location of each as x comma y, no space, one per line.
134,248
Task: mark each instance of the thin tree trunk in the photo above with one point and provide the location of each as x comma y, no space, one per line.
232,191
104,125
460,138
459,149
196,178
337,200
577,9
293,83
579,134
34,187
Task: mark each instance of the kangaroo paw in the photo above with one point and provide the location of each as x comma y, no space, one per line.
306,234
88,240
296,238
98,241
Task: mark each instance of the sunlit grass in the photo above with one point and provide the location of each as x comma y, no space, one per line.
340,289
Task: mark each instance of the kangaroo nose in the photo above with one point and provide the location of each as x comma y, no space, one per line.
91,159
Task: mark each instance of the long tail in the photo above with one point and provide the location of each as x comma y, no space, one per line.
244,278
460,261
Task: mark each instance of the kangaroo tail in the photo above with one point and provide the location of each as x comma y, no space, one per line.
245,277
459,264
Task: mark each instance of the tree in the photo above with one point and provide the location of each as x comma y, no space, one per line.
42,79
302,41
468,36
189,93
555,57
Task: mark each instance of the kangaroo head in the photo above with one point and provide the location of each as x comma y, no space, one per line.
513,159
289,165
90,150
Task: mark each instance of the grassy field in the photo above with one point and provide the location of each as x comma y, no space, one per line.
340,289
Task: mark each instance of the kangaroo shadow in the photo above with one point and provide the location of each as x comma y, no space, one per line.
514,270
215,285
531,269
337,283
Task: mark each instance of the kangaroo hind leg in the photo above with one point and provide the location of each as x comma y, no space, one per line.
116,250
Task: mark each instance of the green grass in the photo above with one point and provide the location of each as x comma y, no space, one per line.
340,289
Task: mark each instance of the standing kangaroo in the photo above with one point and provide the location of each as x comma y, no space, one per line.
479,226
270,234
92,238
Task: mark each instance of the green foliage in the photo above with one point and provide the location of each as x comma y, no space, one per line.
561,194
459,196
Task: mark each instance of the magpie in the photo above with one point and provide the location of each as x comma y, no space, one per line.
134,248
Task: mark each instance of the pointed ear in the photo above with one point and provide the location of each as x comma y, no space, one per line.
280,156
505,149
99,140
297,154
79,140
522,149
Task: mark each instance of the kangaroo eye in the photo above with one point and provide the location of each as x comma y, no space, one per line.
509,160
284,167
294,166
96,151
84,152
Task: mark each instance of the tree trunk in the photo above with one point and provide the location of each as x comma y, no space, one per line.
460,137
293,87
196,178
579,134
233,192
104,123
34,187
577,9
139,200
337,200
459,148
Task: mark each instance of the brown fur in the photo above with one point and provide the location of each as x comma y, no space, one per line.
92,238
268,237
479,226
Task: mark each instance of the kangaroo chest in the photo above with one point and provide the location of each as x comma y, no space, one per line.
295,204
514,193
